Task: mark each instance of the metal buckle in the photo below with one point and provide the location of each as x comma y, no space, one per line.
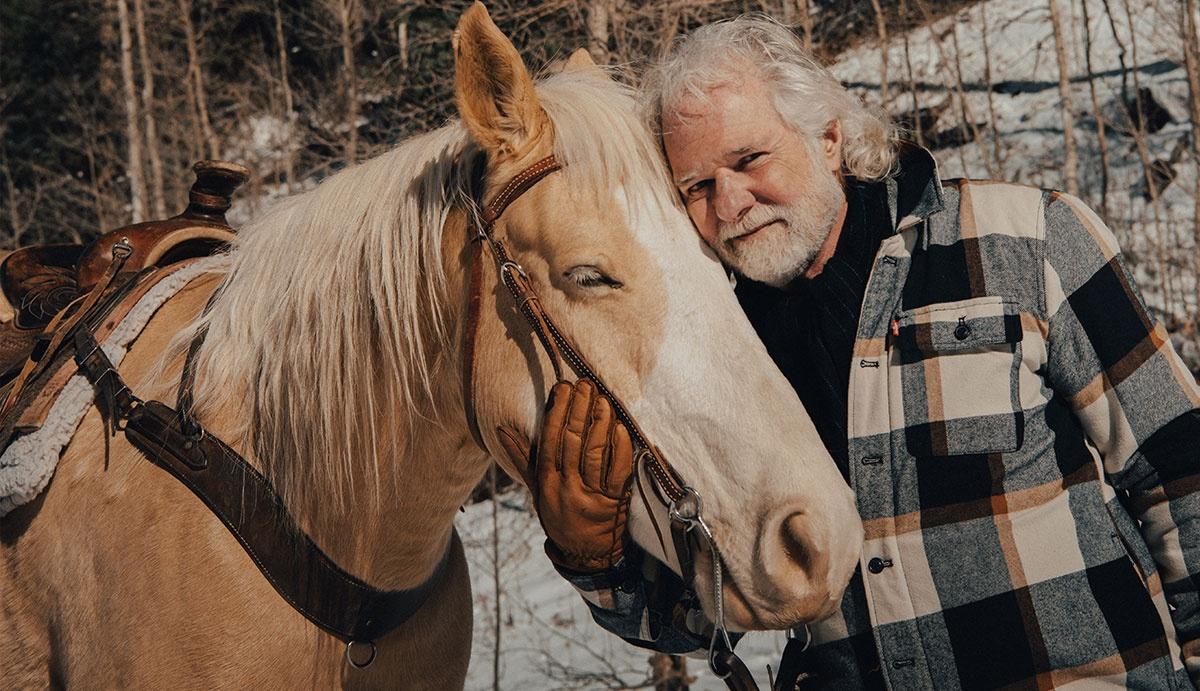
122,249
512,265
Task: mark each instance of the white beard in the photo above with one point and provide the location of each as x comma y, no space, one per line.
778,254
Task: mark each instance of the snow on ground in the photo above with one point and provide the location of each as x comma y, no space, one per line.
1028,116
548,640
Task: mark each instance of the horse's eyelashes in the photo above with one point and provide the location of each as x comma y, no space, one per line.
586,276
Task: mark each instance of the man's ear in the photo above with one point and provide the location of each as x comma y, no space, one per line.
831,146
493,89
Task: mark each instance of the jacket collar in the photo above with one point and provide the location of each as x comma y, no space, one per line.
914,192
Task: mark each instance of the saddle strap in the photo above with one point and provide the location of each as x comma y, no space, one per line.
246,502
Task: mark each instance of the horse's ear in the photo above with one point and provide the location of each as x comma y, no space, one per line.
493,89
581,59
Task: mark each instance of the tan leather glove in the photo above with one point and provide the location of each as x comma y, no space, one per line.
580,475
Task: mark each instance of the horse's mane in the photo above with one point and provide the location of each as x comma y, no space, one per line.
333,326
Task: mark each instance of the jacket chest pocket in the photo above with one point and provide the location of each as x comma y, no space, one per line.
958,372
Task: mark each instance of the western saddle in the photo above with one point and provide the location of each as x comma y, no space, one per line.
40,282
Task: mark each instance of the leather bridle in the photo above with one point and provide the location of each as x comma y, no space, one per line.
687,526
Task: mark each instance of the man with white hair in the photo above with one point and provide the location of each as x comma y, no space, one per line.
1019,434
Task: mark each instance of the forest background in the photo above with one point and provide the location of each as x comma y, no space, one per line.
106,104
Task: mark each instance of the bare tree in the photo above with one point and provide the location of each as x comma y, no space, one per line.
346,14
1191,55
289,103
1070,157
597,29
884,49
493,472
806,24
997,152
137,183
912,83
1101,136
156,165
199,97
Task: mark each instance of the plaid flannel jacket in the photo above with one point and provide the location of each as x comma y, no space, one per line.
1025,453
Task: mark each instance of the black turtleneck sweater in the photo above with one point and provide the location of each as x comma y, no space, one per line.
809,326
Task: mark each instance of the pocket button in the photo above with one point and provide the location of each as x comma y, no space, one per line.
962,331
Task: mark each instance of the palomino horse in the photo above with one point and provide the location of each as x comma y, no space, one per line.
332,362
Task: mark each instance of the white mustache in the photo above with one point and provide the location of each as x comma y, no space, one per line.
760,215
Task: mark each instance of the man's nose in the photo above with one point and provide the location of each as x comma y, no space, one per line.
732,196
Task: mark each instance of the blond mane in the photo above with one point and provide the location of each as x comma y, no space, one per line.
333,326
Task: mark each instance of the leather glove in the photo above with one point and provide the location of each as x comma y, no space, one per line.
580,475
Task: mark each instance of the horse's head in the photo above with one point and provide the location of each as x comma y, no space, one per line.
618,266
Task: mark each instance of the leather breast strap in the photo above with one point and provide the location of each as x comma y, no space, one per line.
246,502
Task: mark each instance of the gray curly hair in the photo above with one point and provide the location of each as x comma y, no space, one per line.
805,94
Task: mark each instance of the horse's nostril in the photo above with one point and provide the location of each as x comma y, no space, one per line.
795,533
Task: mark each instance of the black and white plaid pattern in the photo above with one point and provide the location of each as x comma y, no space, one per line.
1025,452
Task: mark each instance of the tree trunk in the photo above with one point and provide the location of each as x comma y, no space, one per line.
1070,157
968,116
346,12
997,152
597,28
1102,138
494,485
1191,55
289,105
196,79
967,120
402,40
669,672
806,24
1143,149
157,197
912,82
137,181
881,29
787,12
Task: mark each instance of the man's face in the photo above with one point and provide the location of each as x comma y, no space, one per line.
762,195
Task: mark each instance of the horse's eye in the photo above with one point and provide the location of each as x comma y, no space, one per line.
586,276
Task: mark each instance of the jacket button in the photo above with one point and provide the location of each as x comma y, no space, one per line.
877,565
962,331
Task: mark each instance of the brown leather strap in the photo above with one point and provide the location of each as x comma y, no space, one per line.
62,328
736,675
474,297
553,341
248,505
516,187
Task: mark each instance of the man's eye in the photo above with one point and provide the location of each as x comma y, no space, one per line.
749,158
698,190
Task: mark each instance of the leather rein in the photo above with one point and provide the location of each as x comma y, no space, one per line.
687,526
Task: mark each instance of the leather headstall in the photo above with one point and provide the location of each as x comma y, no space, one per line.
687,527
248,504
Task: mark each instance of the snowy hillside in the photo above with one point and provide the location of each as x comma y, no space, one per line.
1025,105
547,637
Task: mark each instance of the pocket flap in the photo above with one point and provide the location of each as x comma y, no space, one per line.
963,325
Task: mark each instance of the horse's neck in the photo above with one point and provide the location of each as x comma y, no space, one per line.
398,526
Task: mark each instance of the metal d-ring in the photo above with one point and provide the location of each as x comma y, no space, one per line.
361,665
